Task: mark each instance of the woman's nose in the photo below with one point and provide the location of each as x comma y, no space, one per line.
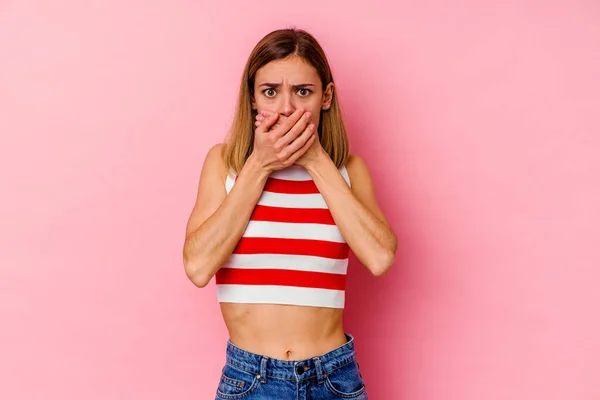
287,106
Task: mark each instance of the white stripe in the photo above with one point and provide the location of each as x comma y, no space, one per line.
290,230
292,200
266,294
344,173
293,173
287,262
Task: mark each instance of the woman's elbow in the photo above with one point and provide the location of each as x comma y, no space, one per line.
196,275
199,280
382,263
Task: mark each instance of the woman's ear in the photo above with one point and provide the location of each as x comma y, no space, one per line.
328,96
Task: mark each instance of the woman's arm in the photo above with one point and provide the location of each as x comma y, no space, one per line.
355,210
218,220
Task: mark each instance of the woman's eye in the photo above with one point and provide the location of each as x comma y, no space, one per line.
269,92
303,92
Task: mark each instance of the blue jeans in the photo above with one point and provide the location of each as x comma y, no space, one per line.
334,375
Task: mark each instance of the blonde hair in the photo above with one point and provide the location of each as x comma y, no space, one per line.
278,45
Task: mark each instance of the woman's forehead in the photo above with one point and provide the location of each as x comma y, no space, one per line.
291,70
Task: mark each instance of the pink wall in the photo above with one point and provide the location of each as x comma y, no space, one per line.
479,121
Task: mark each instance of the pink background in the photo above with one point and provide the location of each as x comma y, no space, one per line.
478,119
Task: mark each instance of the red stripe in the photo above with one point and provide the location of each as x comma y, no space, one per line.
280,277
297,215
275,185
302,247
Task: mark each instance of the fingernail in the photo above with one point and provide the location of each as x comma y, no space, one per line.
307,115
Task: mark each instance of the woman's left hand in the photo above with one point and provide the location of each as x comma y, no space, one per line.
312,154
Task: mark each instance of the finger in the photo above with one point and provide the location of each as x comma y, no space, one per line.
300,152
268,122
295,131
289,122
300,141
277,124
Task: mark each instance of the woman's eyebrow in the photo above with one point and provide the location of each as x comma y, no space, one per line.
276,85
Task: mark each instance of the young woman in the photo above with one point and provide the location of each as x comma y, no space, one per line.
279,206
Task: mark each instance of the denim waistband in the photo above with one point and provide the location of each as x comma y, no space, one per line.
299,370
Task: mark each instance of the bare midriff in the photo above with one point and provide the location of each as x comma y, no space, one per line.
284,332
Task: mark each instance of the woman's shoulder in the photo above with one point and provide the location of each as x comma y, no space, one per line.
217,150
215,161
215,155
357,169
355,164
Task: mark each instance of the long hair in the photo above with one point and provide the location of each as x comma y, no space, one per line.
278,45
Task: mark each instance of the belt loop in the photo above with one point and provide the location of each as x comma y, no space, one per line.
319,369
263,369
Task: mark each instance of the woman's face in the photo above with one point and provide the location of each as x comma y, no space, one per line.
282,86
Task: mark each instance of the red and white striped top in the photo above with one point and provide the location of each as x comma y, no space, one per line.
291,252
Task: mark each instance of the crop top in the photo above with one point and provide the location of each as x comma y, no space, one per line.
291,252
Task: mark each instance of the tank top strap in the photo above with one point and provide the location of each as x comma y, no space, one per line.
344,173
231,176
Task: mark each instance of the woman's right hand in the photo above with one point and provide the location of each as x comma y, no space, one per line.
279,145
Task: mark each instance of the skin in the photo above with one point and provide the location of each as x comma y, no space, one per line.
289,98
